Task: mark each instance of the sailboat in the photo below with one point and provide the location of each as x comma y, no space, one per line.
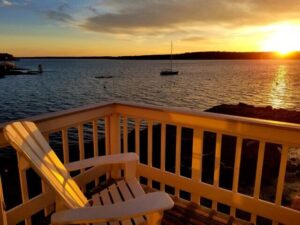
170,71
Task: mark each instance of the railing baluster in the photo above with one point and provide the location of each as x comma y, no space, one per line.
163,152
281,175
23,165
137,136
217,166
259,167
236,173
125,134
258,174
95,143
81,143
197,160
178,156
81,148
115,141
3,219
150,147
65,143
107,135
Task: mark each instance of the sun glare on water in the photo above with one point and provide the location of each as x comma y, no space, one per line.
283,39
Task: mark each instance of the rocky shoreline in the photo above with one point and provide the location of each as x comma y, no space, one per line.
267,112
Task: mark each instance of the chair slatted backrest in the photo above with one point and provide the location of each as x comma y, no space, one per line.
26,138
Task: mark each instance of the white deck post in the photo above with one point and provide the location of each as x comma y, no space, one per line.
114,140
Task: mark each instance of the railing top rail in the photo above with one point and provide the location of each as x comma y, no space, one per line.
49,122
214,121
63,113
218,116
268,130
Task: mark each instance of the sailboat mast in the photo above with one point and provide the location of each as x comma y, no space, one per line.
171,55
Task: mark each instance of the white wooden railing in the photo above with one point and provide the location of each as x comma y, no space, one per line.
114,123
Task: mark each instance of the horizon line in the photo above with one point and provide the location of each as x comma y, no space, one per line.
155,55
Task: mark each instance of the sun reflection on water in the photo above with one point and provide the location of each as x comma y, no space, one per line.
278,93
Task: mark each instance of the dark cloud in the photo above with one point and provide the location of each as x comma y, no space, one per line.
60,13
135,16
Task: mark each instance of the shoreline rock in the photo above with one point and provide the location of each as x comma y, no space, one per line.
267,112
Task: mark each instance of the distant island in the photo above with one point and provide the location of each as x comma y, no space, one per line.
210,55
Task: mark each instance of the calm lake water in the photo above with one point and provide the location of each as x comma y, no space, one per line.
201,84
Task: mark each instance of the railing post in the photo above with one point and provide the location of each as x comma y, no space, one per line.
114,140
114,134
197,160
3,219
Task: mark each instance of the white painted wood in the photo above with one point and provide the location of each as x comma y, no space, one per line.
281,132
103,160
81,150
237,163
3,219
128,196
150,148
107,201
96,199
163,147
150,142
256,129
95,138
253,218
65,142
125,134
137,125
95,143
178,150
50,209
116,197
124,190
81,143
217,160
178,155
259,168
23,183
236,200
163,152
115,134
27,139
197,160
27,209
217,165
107,135
281,175
135,187
143,205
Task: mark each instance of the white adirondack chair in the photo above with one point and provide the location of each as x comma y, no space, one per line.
125,201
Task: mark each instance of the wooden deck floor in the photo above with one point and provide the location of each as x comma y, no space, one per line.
184,213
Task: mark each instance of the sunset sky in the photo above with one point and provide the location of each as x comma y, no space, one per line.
137,27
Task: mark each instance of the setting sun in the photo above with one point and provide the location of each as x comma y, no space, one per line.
283,38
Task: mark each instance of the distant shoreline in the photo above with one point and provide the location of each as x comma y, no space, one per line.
213,55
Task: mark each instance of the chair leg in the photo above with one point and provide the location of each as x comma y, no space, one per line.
155,218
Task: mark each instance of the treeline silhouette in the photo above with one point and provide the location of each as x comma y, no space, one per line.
194,56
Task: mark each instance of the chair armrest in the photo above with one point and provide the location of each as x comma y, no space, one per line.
103,160
143,205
